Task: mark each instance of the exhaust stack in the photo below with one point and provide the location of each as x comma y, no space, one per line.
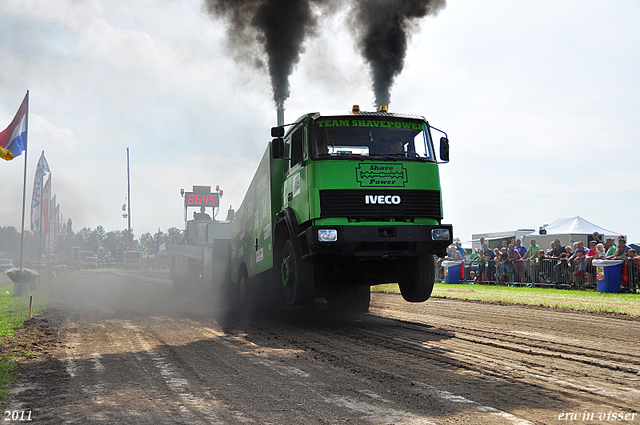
280,113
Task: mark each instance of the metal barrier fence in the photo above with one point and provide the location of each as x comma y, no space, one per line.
544,273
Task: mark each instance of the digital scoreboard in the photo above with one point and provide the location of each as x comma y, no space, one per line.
195,199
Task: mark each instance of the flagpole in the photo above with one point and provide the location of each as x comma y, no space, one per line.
130,238
41,225
24,194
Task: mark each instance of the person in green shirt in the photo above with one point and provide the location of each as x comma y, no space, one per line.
610,246
533,255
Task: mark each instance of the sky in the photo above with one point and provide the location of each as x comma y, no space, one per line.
540,101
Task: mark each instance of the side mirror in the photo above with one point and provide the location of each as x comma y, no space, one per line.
277,131
444,149
277,147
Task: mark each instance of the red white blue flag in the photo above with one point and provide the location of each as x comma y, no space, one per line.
13,140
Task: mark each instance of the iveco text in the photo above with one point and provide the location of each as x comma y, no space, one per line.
381,199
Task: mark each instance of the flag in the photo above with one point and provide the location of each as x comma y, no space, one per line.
46,201
36,206
55,222
13,140
42,169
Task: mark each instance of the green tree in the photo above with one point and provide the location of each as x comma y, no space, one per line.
173,236
92,243
147,244
115,242
98,236
80,238
9,240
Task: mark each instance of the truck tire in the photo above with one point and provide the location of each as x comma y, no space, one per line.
349,299
297,276
416,282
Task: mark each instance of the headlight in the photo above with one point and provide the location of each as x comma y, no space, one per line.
327,235
440,234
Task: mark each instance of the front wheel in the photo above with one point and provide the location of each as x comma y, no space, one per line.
297,276
418,276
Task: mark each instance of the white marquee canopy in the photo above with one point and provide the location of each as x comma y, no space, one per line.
568,230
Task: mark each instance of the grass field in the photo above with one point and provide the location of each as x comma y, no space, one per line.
13,313
628,304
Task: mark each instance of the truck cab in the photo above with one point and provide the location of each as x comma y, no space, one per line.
355,201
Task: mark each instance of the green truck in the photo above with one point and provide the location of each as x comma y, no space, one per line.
340,203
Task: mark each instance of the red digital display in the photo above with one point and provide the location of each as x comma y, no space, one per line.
192,199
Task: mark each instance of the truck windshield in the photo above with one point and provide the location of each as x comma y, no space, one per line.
370,137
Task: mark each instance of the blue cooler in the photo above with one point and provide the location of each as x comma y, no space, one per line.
609,273
451,271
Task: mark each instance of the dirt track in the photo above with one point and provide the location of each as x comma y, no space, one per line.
126,350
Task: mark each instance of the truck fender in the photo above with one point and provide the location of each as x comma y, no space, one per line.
286,219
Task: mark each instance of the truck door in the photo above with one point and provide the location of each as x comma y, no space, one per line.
295,188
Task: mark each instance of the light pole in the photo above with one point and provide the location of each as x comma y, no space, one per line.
129,203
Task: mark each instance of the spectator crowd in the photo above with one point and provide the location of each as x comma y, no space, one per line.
561,266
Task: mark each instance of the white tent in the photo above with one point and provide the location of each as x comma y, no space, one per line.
494,239
568,230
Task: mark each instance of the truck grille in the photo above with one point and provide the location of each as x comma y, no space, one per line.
352,203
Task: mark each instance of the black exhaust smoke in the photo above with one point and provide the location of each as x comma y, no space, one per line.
382,29
275,27
278,29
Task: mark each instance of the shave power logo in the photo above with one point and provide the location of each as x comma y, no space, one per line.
381,175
